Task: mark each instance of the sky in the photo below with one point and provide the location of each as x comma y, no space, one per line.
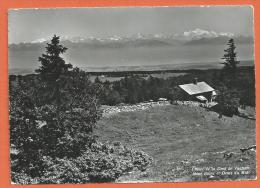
26,25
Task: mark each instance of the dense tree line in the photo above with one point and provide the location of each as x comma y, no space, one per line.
133,89
140,72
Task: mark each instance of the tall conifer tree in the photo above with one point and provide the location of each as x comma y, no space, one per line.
230,57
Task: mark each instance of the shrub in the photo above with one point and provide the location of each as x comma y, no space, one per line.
228,102
229,110
99,163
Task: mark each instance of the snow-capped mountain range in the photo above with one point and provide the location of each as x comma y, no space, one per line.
187,37
139,49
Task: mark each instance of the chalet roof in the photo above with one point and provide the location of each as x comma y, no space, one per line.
193,89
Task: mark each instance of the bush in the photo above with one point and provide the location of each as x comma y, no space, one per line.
229,110
228,102
99,163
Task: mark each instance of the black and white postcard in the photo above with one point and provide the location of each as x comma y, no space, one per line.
132,94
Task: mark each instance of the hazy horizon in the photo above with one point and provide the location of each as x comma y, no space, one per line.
27,57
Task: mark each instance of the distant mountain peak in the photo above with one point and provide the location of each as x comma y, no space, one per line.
139,39
200,33
40,40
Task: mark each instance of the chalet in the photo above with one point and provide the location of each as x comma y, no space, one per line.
198,91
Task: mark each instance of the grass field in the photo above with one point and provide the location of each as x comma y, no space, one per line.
186,143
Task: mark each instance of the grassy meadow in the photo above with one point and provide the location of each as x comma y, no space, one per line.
183,141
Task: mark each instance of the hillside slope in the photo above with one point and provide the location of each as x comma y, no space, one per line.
181,139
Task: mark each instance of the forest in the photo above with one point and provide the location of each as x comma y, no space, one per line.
134,88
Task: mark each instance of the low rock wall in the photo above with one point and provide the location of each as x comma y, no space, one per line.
110,110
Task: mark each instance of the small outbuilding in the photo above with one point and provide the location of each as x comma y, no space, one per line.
162,99
198,91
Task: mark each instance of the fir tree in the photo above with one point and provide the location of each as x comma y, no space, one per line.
52,64
230,57
52,71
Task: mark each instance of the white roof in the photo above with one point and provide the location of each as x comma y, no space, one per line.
200,87
162,99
